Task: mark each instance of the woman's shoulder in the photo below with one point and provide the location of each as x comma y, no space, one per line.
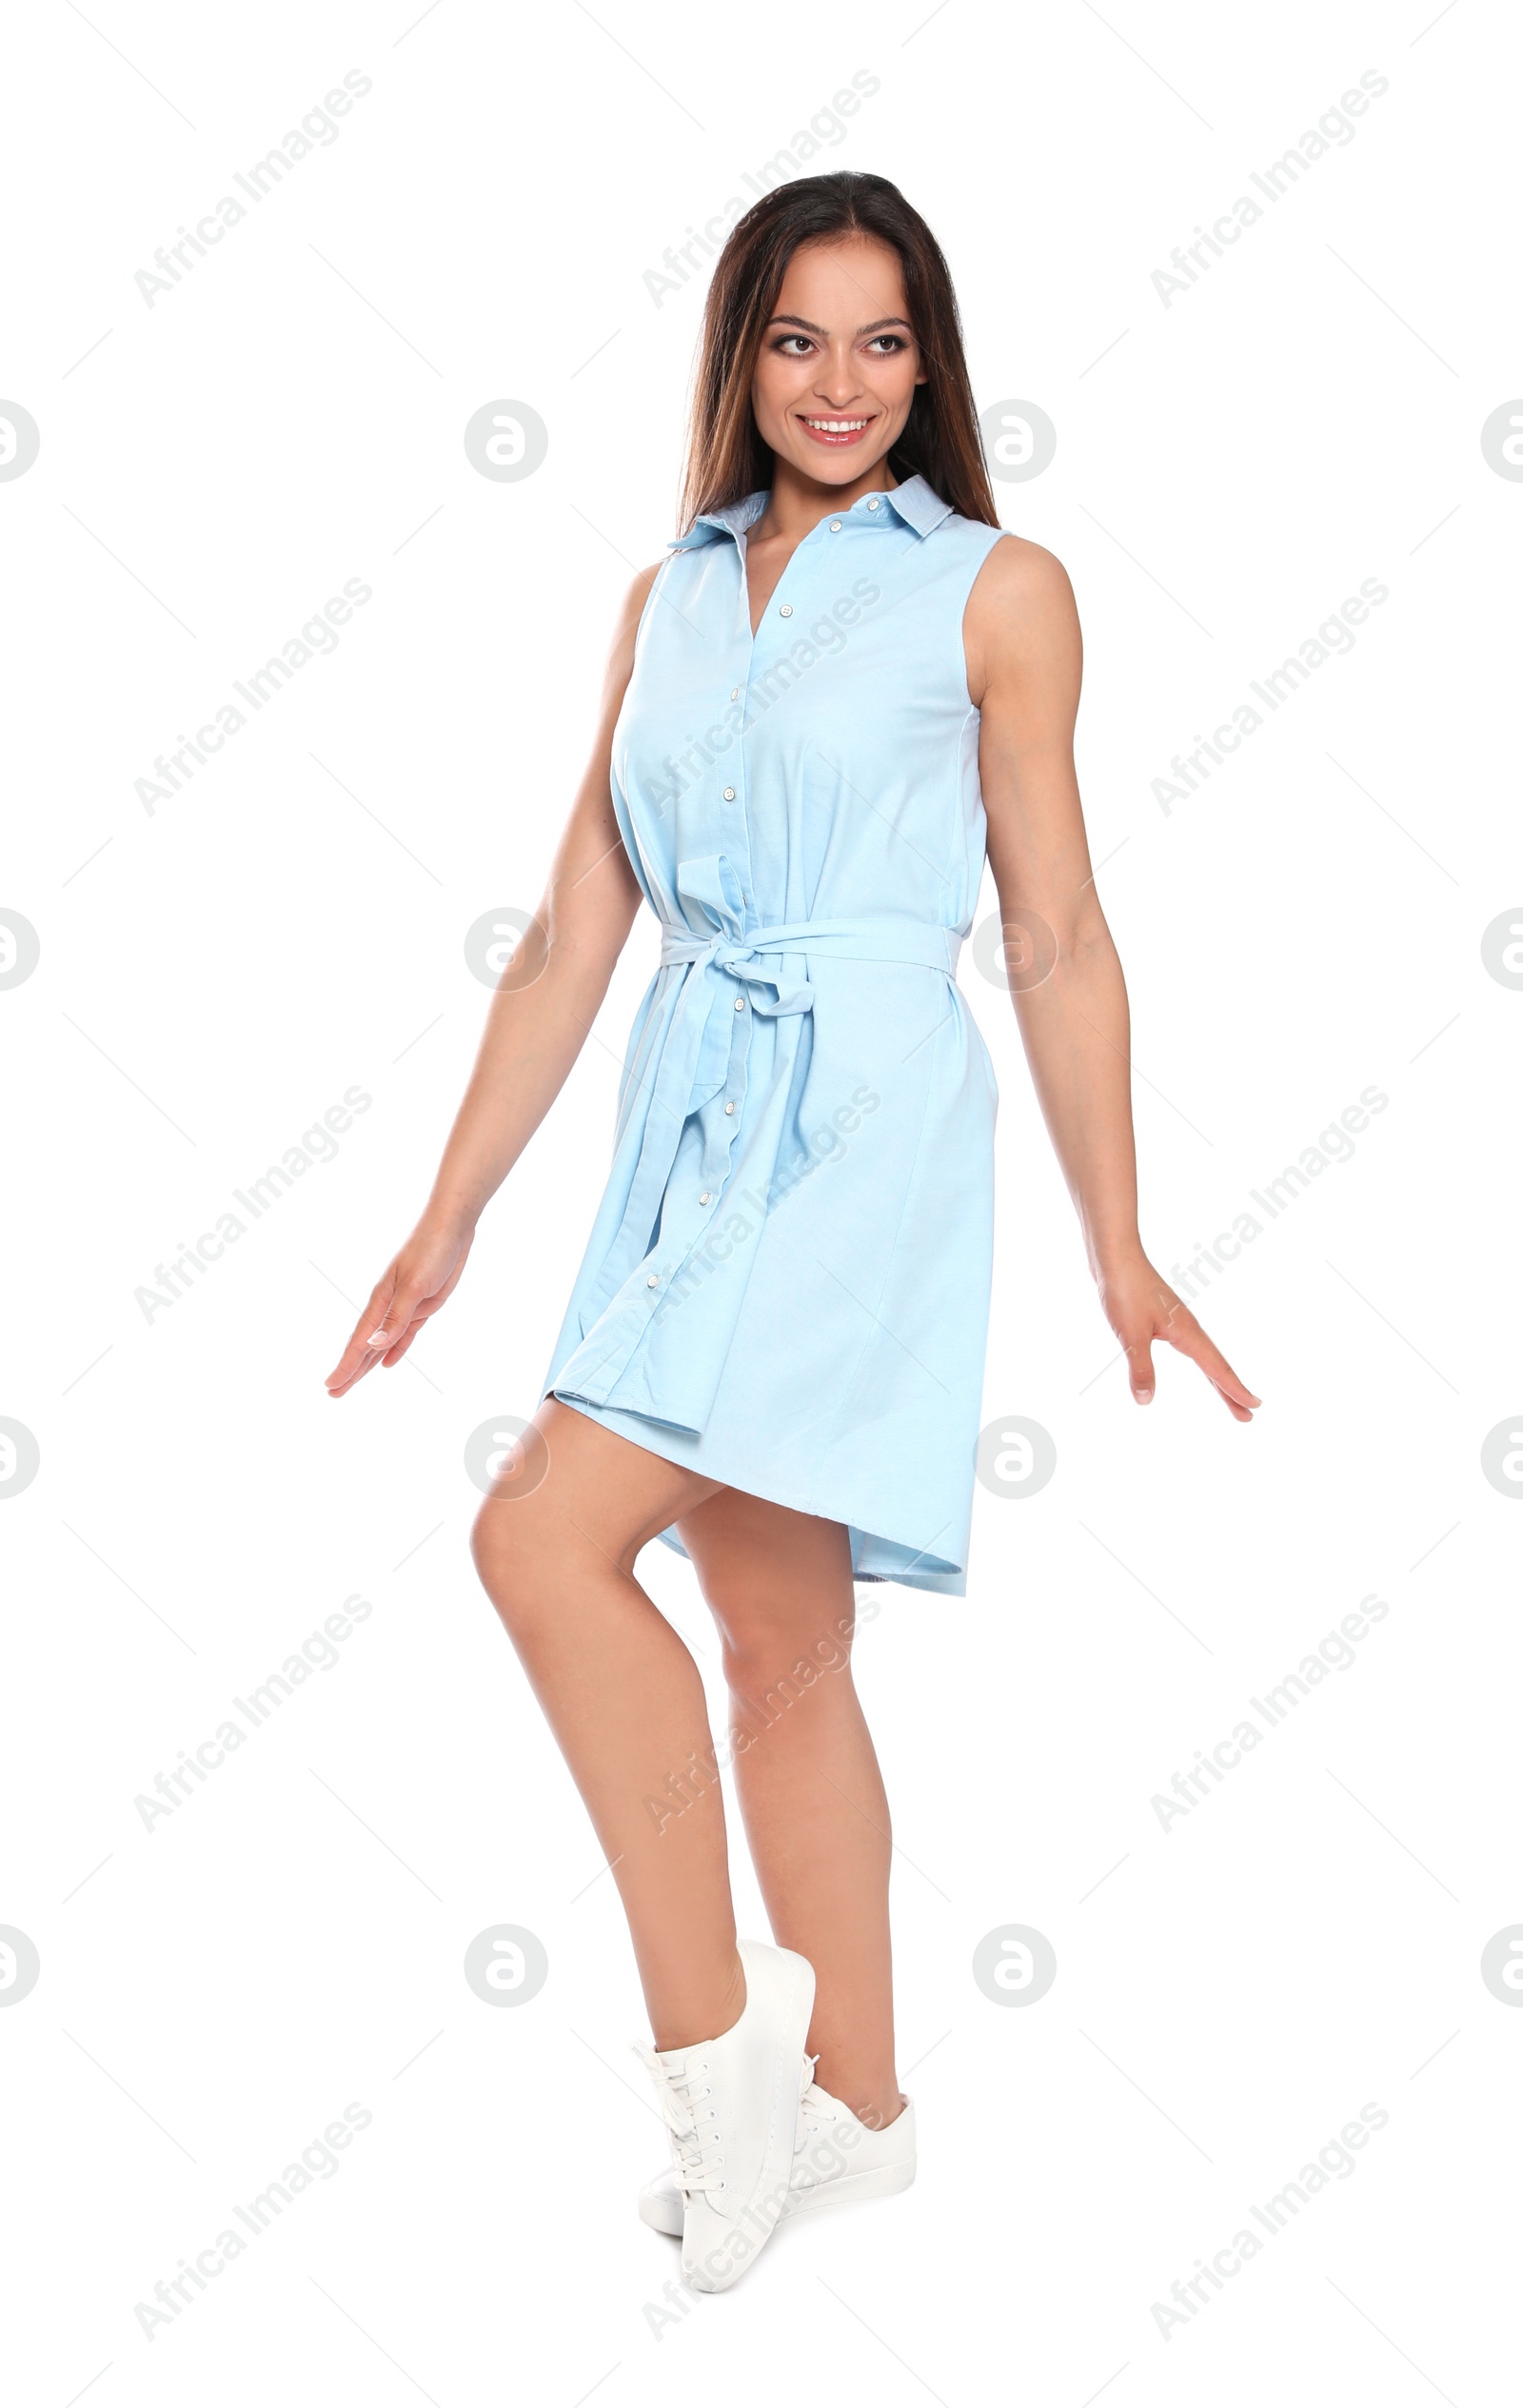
1018,580
1022,617
1014,566
627,624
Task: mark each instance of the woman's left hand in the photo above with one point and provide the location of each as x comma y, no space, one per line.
1141,1306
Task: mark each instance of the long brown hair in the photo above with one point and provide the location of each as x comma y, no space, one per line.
726,457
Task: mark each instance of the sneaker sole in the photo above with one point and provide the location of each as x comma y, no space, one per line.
846,2190
792,2032
879,2181
777,2168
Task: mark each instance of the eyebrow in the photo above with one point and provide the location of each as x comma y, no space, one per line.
786,318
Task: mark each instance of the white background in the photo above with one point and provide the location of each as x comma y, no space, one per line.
1230,1991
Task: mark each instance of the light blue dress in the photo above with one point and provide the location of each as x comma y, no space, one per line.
787,1288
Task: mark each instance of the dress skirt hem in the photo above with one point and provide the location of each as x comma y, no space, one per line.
875,1556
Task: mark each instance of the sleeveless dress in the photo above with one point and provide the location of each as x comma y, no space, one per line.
786,1287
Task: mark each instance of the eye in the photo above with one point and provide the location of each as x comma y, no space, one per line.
895,342
784,341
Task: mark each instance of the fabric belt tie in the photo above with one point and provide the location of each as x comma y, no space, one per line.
703,1052
745,954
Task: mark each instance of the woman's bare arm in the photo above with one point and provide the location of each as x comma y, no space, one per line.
536,1026
1026,664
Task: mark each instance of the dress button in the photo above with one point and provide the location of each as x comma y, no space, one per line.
734,691
653,1281
872,506
706,1197
835,526
729,1107
785,610
729,793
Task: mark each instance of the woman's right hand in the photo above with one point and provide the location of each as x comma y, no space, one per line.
408,1293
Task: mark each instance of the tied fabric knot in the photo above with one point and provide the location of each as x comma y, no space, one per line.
742,960
711,888
702,1053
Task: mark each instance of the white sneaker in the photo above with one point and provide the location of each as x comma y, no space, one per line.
837,2159
732,2107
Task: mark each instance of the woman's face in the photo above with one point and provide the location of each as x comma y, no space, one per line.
838,365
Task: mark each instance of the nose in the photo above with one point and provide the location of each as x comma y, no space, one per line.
838,384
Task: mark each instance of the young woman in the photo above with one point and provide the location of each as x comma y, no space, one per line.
842,683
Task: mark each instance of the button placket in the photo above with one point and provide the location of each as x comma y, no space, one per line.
732,832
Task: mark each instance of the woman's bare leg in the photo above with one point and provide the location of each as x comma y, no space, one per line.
780,1587
555,1545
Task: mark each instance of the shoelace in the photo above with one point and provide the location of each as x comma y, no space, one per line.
678,2091
812,2105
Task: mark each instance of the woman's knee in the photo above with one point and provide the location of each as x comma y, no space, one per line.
515,1557
766,1640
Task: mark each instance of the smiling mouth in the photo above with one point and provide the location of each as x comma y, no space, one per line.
836,431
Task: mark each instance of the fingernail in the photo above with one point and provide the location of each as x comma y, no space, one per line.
377,1337
1144,1395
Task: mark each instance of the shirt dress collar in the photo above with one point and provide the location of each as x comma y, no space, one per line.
913,502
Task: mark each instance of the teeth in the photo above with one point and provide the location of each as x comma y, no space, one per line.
836,425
